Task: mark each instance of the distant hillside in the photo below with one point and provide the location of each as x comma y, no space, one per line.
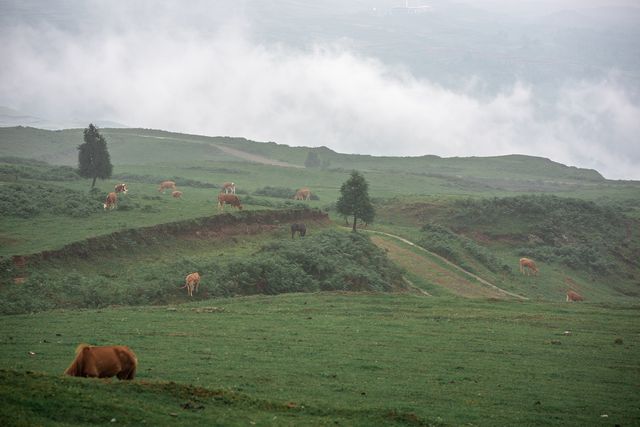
146,147
10,117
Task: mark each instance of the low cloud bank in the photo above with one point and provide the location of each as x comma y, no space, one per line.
226,83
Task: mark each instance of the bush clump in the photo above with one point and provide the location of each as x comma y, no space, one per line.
29,200
13,169
454,247
577,233
328,260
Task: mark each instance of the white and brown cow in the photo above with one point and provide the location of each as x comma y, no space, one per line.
111,201
192,281
228,199
303,194
529,265
229,188
121,188
166,185
176,194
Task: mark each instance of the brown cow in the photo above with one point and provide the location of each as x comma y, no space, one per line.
192,281
529,265
177,194
111,201
103,362
166,185
303,194
574,296
229,188
228,199
121,188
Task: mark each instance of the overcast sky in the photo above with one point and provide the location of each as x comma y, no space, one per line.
220,68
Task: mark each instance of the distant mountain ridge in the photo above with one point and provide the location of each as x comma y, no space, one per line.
134,146
10,117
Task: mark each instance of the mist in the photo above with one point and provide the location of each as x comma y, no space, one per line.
211,70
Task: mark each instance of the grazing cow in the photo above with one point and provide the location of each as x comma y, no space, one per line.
229,188
300,228
228,199
303,194
529,265
166,185
103,362
111,201
574,296
192,281
121,188
177,194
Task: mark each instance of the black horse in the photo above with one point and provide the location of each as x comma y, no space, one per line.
300,228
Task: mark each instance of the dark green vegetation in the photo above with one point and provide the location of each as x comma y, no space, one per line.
350,337
355,359
354,200
581,245
149,267
93,156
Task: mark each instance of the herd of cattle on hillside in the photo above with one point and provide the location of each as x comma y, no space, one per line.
120,361
227,196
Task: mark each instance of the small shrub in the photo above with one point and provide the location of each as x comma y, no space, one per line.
279,192
29,200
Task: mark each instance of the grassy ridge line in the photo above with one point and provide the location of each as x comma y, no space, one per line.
143,234
132,146
478,278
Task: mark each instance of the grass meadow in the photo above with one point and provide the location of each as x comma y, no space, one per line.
358,359
332,329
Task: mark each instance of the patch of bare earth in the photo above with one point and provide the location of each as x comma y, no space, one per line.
255,158
433,272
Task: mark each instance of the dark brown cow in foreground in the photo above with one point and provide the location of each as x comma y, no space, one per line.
121,188
177,194
166,185
228,199
111,201
192,281
303,194
300,228
103,362
529,265
574,296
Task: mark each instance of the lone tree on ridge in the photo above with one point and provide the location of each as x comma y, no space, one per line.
354,199
93,157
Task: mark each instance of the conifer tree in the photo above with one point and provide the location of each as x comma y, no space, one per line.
354,199
93,157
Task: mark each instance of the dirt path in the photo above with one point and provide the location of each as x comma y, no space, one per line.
457,282
255,158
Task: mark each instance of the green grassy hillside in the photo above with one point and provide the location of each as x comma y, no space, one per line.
580,245
144,146
355,329
326,358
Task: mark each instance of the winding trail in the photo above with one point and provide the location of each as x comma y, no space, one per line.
484,282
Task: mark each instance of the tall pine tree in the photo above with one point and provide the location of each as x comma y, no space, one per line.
354,199
93,157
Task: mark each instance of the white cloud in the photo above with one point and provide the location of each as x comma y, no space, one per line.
225,83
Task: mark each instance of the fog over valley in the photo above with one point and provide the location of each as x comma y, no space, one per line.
452,78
